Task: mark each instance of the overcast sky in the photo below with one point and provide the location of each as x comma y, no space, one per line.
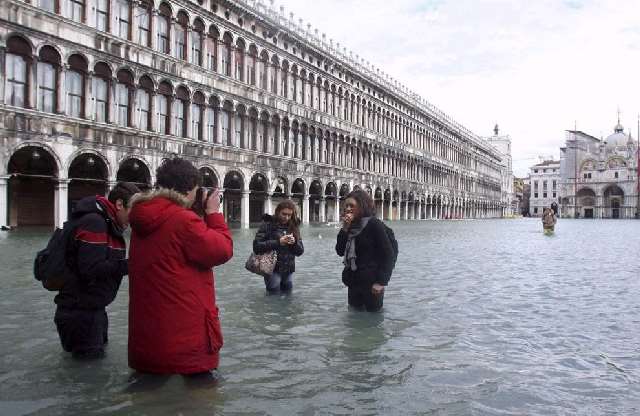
533,67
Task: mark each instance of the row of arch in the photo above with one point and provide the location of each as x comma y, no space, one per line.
189,38
35,179
150,105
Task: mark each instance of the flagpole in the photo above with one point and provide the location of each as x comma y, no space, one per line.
575,170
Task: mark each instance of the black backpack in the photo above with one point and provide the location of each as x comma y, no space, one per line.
393,241
53,265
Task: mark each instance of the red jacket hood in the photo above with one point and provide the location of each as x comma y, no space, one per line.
149,211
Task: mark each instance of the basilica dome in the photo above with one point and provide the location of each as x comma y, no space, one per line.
618,138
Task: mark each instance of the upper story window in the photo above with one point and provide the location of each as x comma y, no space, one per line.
239,60
74,83
251,65
101,11
100,91
48,68
123,18
163,25
124,91
226,55
143,21
17,64
143,103
165,91
196,43
211,45
47,5
74,10
180,46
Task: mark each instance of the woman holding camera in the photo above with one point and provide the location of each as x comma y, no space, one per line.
280,232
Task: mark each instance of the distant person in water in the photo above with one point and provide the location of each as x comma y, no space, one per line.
548,219
280,232
367,251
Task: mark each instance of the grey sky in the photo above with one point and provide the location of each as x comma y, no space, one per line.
533,67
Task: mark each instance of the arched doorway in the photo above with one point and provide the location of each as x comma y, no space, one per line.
315,194
587,203
297,194
209,178
344,191
136,171
279,191
32,176
88,174
387,202
396,206
614,202
378,201
258,186
233,186
331,198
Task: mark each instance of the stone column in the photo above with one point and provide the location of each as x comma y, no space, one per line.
32,82
61,201
323,210
86,106
244,210
61,90
268,204
4,201
305,209
218,121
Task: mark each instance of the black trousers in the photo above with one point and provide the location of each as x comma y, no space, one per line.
83,332
361,297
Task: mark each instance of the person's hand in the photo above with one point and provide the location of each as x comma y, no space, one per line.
284,240
291,239
377,289
347,220
212,204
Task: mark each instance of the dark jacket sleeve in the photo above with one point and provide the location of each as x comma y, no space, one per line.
385,251
341,243
297,249
92,243
262,243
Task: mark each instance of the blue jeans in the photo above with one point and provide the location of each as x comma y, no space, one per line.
278,282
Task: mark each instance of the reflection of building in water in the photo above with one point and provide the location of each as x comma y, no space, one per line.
92,92
599,177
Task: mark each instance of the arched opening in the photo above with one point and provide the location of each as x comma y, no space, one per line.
614,202
297,194
586,203
387,202
315,195
331,196
32,172
259,187
88,174
136,171
209,178
396,205
411,207
344,191
233,186
378,200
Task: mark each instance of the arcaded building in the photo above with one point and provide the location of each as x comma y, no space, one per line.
96,91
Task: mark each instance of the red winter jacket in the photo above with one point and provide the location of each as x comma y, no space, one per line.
173,317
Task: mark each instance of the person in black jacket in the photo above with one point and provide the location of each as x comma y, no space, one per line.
281,233
367,252
98,264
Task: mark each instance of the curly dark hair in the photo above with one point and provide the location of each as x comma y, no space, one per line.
364,201
177,174
123,191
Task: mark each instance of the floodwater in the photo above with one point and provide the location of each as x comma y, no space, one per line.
485,317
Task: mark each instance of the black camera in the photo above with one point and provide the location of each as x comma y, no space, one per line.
200,202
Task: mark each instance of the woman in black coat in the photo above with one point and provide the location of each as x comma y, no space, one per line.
280,232
367,252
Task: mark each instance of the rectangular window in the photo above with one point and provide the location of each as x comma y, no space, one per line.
535,210
102,15
196,48
211,54
237,136
46,87
544,185
177,112
47,5
554,194
16,80
74,10
544,194
163,34
239,55
142,16
535,195
74,93
100,99
224,120
162,113
122,104
143,109
554,183
195,122
179,49
615,175
251,69
122,18
211,125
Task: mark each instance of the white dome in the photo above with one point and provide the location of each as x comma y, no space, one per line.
617,139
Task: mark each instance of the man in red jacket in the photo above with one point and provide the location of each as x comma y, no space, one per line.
173,317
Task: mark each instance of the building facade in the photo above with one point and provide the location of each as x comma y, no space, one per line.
600,176
544,186
503,145
96,91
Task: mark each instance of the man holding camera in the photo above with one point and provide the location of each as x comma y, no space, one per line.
173,318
